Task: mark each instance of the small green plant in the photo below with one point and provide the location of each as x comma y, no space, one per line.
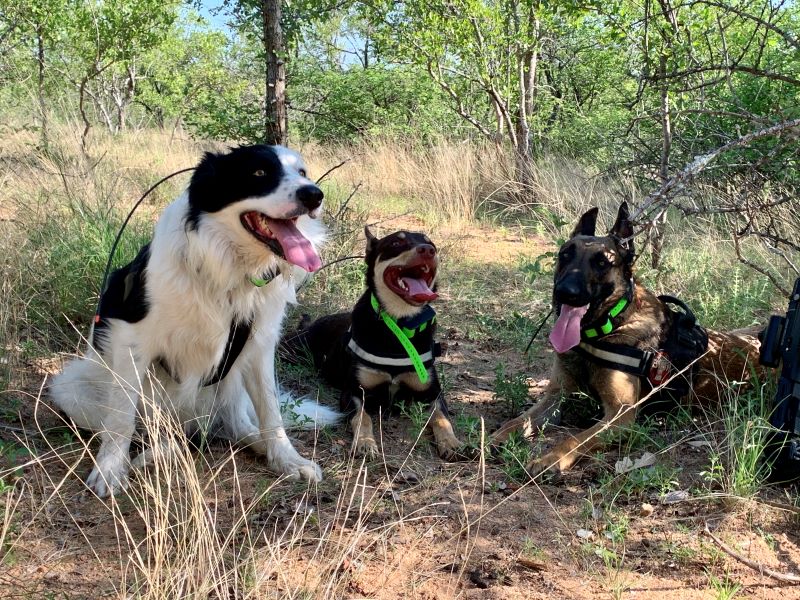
514,455
680,552
418,414
542,266
640,483
531,550
725,588
511,387
737,464
470,428
634,437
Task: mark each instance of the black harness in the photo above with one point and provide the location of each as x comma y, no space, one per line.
373,345
124,298
685,342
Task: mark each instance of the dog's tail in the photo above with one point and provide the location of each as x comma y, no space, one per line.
304,413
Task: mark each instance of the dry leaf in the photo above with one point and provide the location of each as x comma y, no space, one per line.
626,464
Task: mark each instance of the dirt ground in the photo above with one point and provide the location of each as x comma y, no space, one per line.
419,527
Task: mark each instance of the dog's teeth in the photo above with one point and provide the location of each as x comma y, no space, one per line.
402,284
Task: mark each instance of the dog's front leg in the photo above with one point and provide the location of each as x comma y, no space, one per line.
546,410
364,443
262,389
118,423
619,393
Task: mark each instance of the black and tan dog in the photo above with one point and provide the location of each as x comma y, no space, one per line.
382,353
618,341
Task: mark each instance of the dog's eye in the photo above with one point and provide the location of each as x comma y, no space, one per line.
260,173
302,172
602,262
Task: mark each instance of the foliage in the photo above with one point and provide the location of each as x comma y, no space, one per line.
511,387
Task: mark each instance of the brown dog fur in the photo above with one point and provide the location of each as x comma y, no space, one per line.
605,264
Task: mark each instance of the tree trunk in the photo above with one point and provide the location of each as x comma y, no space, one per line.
275,94
40,84
663,171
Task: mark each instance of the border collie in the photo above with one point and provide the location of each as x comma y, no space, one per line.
192,323
359,353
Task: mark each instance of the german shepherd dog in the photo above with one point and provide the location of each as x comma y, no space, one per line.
596,295
362,353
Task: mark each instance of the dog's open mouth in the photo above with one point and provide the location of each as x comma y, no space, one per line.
413,281
283,238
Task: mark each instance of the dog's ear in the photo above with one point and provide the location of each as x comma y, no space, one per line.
587,223
371,239
622,232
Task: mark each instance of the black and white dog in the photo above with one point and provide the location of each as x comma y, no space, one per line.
192,323
382,354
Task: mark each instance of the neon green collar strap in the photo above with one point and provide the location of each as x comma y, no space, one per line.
605,325
401,336
268,277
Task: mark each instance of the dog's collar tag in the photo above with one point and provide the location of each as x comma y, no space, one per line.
416,360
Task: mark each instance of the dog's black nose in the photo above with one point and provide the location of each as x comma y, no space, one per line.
570,291
309,196
426,250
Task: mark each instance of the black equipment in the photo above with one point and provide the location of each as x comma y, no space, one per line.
780,346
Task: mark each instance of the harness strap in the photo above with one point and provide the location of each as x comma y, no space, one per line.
386,360
617,356
237,338
408,346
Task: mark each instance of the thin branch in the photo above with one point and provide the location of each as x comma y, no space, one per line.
678,182
782,577
333,168
745,261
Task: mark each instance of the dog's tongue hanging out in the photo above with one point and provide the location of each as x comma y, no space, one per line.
296,248
567,331
418,289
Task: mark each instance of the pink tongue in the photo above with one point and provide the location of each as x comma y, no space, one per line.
297,249
567,331
418,290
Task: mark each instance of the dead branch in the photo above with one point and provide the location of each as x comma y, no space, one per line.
333,168
783,577
677,183
745,261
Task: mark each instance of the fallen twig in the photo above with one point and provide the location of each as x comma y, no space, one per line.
783,577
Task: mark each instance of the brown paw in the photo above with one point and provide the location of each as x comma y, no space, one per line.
450,448
549,462
366,447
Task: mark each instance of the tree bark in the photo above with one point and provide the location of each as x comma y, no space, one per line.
40,61
663,171
275,124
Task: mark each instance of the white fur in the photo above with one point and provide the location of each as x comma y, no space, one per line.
198,283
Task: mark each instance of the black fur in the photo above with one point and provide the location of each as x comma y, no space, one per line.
222,179
124,298
327,338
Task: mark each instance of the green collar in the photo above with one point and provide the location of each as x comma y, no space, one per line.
403,338
605,325
268,277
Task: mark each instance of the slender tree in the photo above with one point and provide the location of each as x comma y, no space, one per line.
275,124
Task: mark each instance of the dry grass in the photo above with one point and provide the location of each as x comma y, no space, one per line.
211,524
